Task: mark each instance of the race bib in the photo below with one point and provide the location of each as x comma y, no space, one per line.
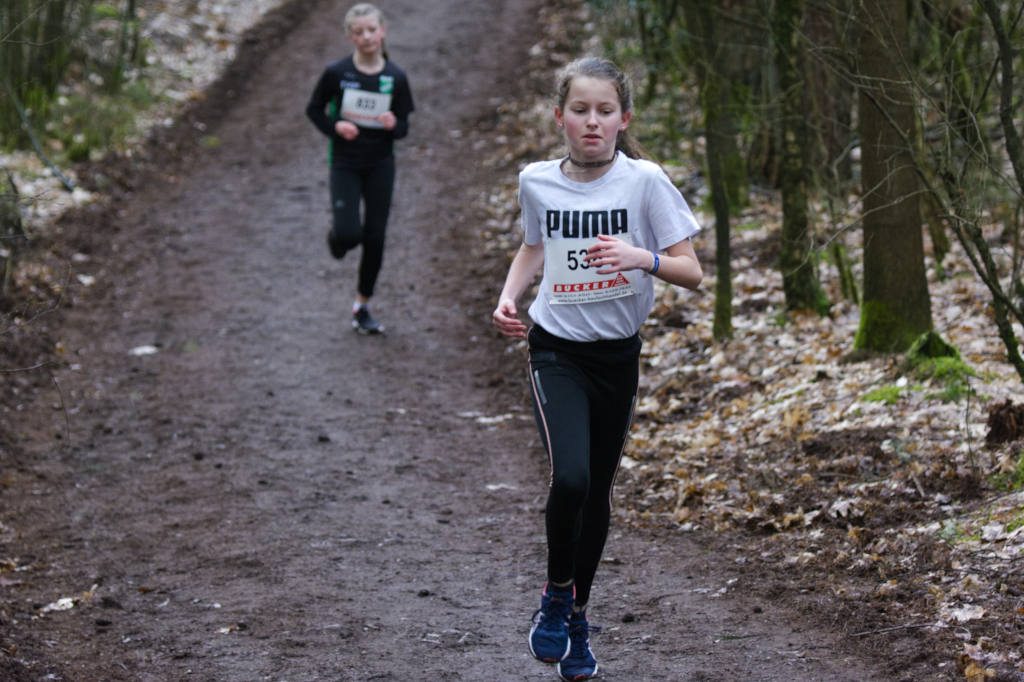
571,280
363,107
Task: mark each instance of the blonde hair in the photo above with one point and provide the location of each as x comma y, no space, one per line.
360,10
365,9
603,69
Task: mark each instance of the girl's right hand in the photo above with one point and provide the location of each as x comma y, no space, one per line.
506,320
346,129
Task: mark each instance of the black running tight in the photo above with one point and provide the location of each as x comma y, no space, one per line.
583,397
373,185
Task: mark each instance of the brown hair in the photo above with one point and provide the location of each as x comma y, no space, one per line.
604,69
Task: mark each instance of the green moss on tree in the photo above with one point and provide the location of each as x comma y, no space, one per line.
882,329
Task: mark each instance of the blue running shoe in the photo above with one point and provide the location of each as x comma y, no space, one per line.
549,634
363,322
580,664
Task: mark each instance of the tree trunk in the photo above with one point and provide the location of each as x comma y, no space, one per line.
12,232
796,261
896,308
831,99
1002,303
721,152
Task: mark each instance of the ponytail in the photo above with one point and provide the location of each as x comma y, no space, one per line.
628,145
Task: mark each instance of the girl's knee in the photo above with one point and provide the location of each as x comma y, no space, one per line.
571,488
348,231
345,240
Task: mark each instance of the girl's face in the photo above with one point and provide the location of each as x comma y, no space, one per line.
592,118
367,34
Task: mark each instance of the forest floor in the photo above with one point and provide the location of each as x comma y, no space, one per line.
212,477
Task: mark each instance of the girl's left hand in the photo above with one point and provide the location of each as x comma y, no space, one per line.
387,120
614,255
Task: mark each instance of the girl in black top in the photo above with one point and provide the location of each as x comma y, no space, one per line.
362,104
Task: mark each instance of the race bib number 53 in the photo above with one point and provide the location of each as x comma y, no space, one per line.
363,107
572,280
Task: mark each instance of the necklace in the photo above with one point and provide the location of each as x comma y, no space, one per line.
591,164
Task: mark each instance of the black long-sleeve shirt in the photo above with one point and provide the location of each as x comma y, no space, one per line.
345,92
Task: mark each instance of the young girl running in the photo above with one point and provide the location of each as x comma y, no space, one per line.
603,223
362,104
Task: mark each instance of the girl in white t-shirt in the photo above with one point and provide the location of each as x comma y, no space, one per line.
603,223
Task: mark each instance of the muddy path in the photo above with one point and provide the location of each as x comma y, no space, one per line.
270,496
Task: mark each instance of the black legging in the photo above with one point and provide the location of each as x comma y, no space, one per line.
583,398
372,185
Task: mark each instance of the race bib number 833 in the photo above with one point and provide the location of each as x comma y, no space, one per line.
363,107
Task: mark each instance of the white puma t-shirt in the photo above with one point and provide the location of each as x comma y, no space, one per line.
634,201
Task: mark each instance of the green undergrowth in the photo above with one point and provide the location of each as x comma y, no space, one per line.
1011,481
934,366
84,126
890,395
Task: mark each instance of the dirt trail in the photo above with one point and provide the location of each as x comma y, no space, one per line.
272,497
